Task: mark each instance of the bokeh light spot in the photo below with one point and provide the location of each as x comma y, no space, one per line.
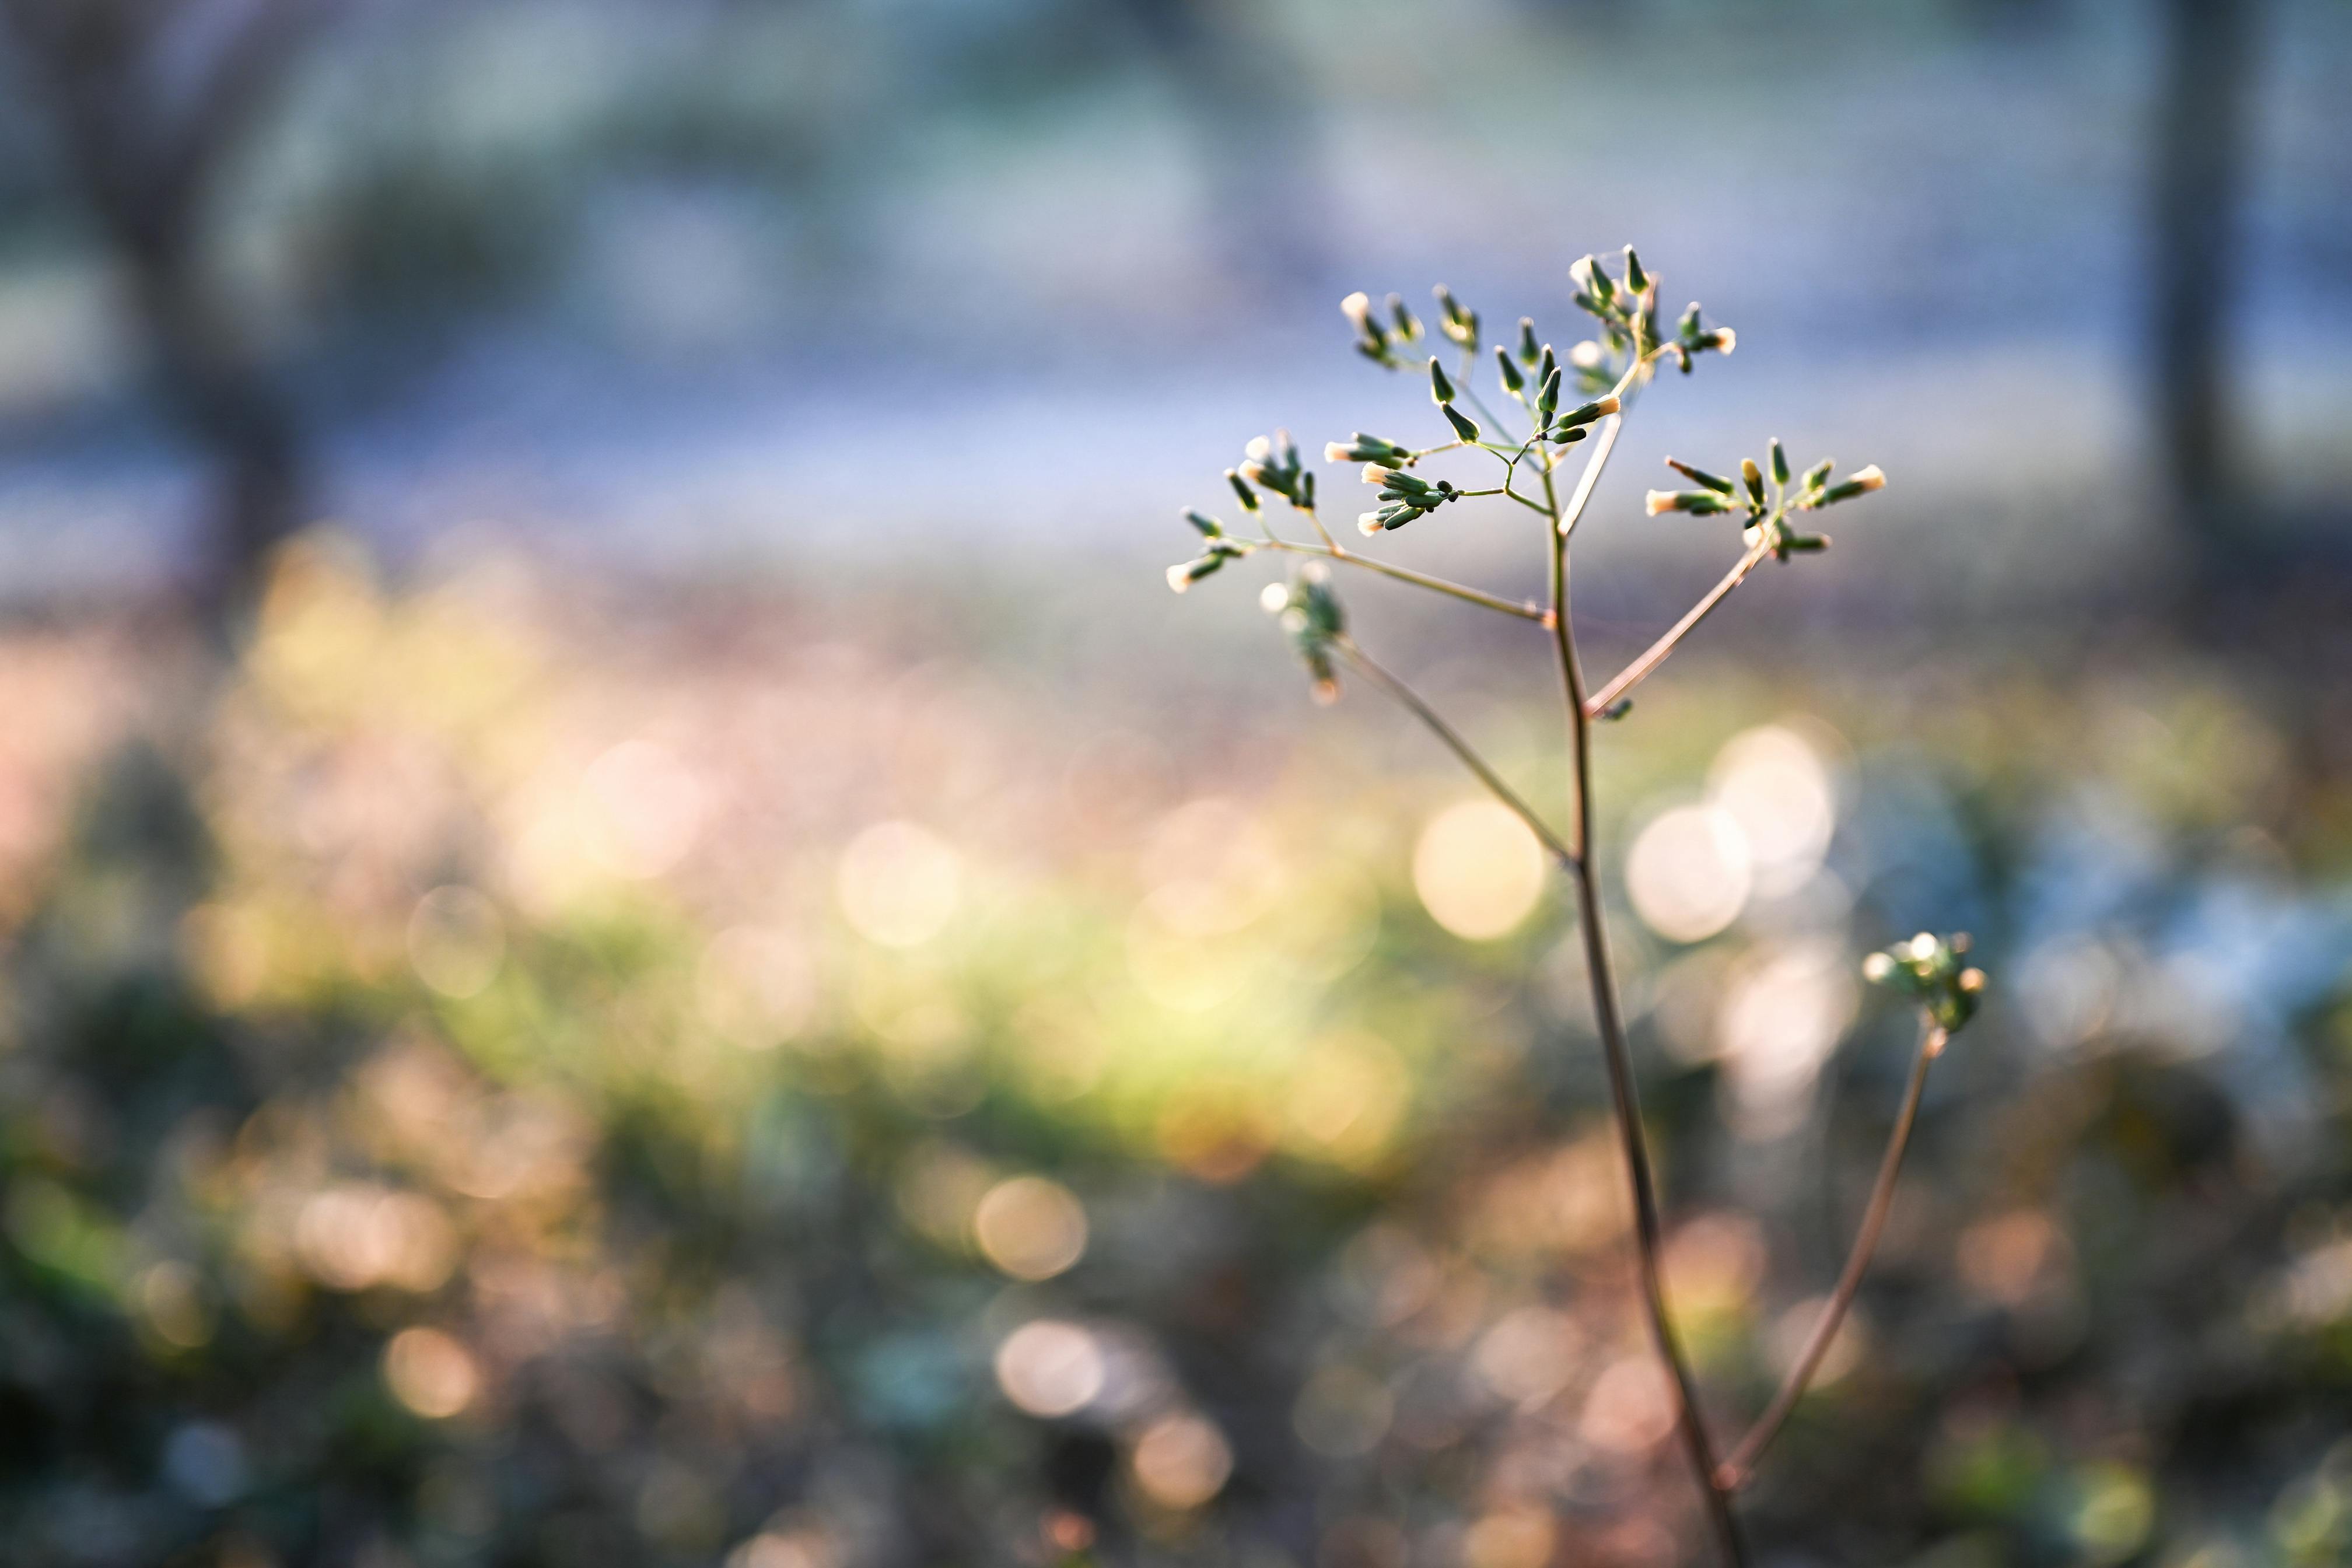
1029,1227
1478,870
899,884
1049,1367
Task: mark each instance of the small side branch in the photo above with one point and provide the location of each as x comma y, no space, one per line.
1479,596
1634,674
1412,703
1740,1468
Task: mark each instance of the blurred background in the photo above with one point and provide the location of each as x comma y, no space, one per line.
634,931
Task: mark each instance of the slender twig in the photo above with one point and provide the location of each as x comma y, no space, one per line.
1625,1103
1412,703
1634,674
1522,608
1740,1468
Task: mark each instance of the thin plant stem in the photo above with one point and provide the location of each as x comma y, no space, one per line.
1412,702
1740,1468
1634,674
1522,608
1625,1102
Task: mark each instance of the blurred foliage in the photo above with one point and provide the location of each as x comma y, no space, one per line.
518,1074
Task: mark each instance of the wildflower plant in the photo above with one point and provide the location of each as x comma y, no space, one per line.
1557,413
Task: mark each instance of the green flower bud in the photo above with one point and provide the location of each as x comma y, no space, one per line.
1440,389
1861,482
1715,482
1464,425
1818,475
1528,352
1753,477
1779,463
1408,325
1209,527
1549,399
1586,413
1513,382
1699,503
1183,576
1246,496
1635,278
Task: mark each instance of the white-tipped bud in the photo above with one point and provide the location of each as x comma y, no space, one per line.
1274,598
1659,501
1259,449
1180,577
1339,451
1357,307
1608,405
1723,340
1869,479
1377,473
1368,524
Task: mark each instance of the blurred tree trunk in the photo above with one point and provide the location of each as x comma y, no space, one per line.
2199,181
151,100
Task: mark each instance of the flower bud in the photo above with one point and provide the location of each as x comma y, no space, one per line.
1549,399
1209,527
1440,389
1529,350
1753,477
1699,503
1779,463
1408,325
1586,413
1246,496
1862,481
1715,482
1635,278
1464,425
1513,382
1182,577
1722,340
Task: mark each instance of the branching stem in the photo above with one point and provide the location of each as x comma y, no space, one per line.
1412,702
1625,1104
1634,674
1740,1468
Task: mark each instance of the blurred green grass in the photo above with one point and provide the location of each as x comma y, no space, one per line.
522,1070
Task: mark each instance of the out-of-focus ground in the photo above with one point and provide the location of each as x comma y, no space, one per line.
724,976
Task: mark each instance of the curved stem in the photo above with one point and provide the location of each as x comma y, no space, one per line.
1648,1230
1414,704
1655,654
1740,1468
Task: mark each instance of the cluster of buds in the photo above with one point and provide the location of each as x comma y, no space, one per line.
1376,339
1403,496
1627,310
1217,548
1930,968
1275,463
1534,375
1311,616
1765,494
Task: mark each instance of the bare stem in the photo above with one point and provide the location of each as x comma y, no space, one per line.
1634,674
1412,703
1740,1468
1648,1230
1522,608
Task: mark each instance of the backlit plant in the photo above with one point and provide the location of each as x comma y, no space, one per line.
1558,407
